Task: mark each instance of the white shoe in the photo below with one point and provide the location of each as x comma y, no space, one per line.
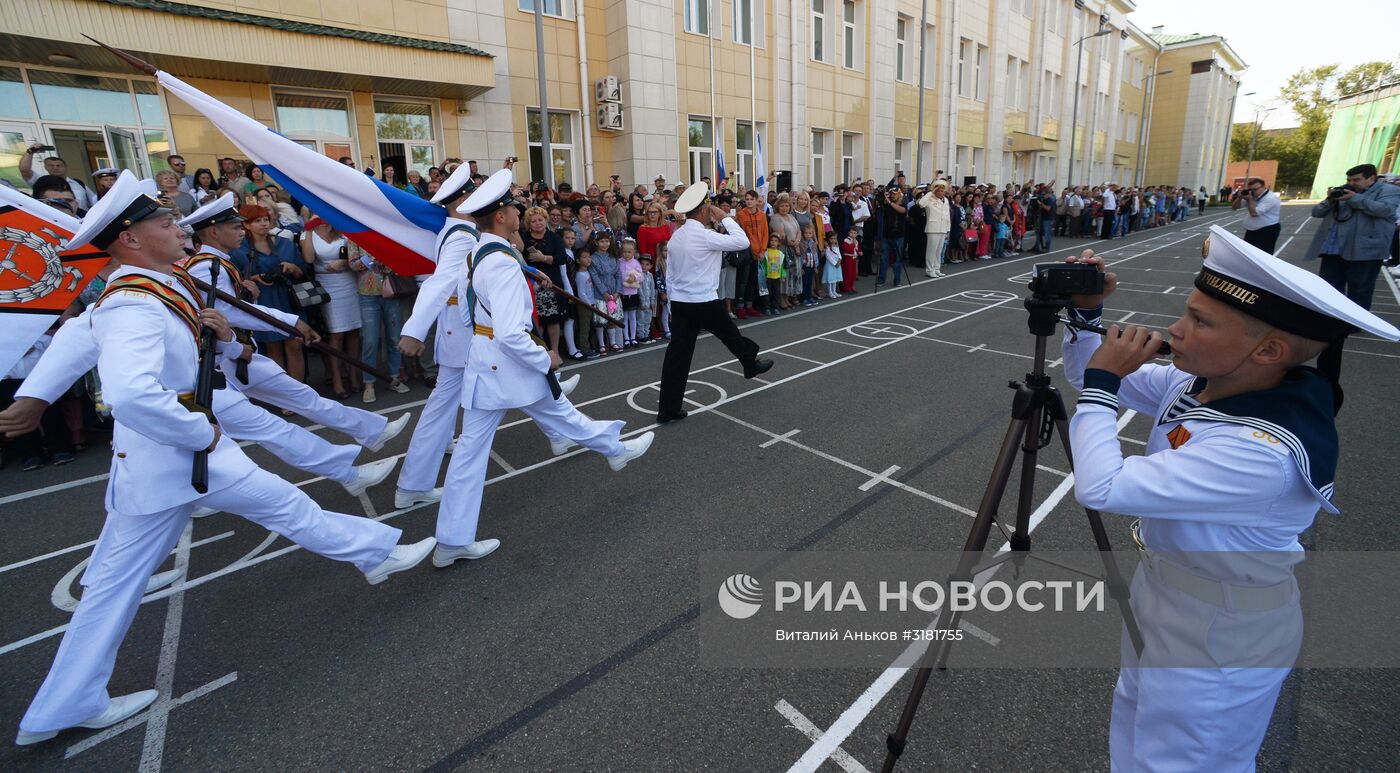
368,396
567,386
403,499
446,555
161,579
451,445
390,432
560,446
203,512
631,450
119,710
404,557
371,474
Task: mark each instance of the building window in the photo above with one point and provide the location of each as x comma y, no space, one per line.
404,131
818,159
320,122
964,73
561,145
547,7
701,141
1201,66
930,57
848,33
743,146
1051,95
901,27
742,17
1052,15
901,155
697,16
819,30
848,157
981,74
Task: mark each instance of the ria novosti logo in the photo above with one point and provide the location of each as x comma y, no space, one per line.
740,596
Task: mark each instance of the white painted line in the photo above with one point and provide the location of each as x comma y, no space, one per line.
46,556
971,349
1390,280
733,372
116,730
1169,289
848,343
861,707
153,749
1131,440
794,356
1126,317
1052,470
778,438
909,318
497,457
980,633
804,725
882,477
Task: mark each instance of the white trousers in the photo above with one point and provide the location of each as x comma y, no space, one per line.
76,687
1180,719
466,474
283,391
293,444
933,253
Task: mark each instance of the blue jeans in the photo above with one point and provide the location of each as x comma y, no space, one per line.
891,253
1046,228
380,315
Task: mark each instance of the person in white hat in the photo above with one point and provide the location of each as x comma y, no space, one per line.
1241,457
693,259
937,224
507,367
218,229
147,325
437,302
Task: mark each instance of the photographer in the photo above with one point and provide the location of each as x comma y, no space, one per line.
894,221
53,165
1358,222
1261,226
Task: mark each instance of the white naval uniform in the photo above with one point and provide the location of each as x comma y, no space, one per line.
267,381
147,357
1230,489
505,370
437,301
73,352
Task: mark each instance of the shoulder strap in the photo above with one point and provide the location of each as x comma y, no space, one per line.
224,263
483,250
178,304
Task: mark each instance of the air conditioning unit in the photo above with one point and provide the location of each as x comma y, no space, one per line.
610,117
607,90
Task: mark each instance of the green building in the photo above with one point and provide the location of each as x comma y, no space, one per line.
1364,130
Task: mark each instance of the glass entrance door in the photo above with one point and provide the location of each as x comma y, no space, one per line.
125,151
15,138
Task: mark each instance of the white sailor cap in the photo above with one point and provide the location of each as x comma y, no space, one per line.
1277,292
660,177
125,204
106,171
221,210
456,184
693,197
491,195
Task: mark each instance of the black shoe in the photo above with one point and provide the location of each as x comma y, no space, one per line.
759,368
662,417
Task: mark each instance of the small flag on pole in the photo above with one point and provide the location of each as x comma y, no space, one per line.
721,173
760,170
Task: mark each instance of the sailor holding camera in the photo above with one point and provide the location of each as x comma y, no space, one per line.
1261,226
1241,457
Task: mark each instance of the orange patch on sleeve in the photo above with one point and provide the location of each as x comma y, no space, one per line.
1178,436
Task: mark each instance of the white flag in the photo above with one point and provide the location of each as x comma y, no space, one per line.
760,169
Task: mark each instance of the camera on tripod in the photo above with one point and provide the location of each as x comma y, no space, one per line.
1057,282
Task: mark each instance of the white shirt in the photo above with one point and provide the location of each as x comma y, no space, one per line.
1110,201
1267,212
694,256
860,211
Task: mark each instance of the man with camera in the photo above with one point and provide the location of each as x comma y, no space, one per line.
893,221
53,165
1261,226
1358,222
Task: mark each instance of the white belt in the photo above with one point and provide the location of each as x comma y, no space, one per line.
1228,596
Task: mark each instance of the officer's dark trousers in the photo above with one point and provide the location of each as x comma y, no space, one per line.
1264,238
1357,280
687,320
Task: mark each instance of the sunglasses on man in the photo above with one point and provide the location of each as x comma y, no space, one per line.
63,204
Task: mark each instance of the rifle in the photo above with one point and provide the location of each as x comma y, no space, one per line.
204,387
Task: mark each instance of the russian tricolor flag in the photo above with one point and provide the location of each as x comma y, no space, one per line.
396,227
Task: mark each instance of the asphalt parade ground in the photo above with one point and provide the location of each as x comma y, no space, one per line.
574,647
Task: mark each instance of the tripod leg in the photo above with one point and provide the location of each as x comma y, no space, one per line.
1117,586
972,549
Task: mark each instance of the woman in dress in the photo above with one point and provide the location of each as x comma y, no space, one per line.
274,263
545,251
326,249
653,232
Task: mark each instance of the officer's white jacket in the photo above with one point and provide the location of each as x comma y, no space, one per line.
508,368
1230,487
146,358
454,246
236,317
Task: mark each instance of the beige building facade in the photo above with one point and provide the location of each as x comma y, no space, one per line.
830,89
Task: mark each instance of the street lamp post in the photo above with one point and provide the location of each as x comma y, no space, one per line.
1230,129
1259,116
1074,116
1145,123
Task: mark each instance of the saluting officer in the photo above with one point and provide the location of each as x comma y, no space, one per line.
1241,457
507,367
147,324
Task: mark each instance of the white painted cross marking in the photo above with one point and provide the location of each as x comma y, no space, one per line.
883,477
778,439
804,725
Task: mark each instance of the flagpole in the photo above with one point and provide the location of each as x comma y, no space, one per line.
753,94
714,125
923,54
546,155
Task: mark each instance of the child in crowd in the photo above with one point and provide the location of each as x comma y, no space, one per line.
663,298
850,253
570,239
831,268
1002,231
809,259
607,284
583,282
647,295
631,270
773,272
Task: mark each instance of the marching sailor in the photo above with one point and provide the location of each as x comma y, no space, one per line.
1241,457
507,367
146,325
218,228
437,302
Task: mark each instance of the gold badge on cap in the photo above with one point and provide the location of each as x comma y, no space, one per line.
1205,248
